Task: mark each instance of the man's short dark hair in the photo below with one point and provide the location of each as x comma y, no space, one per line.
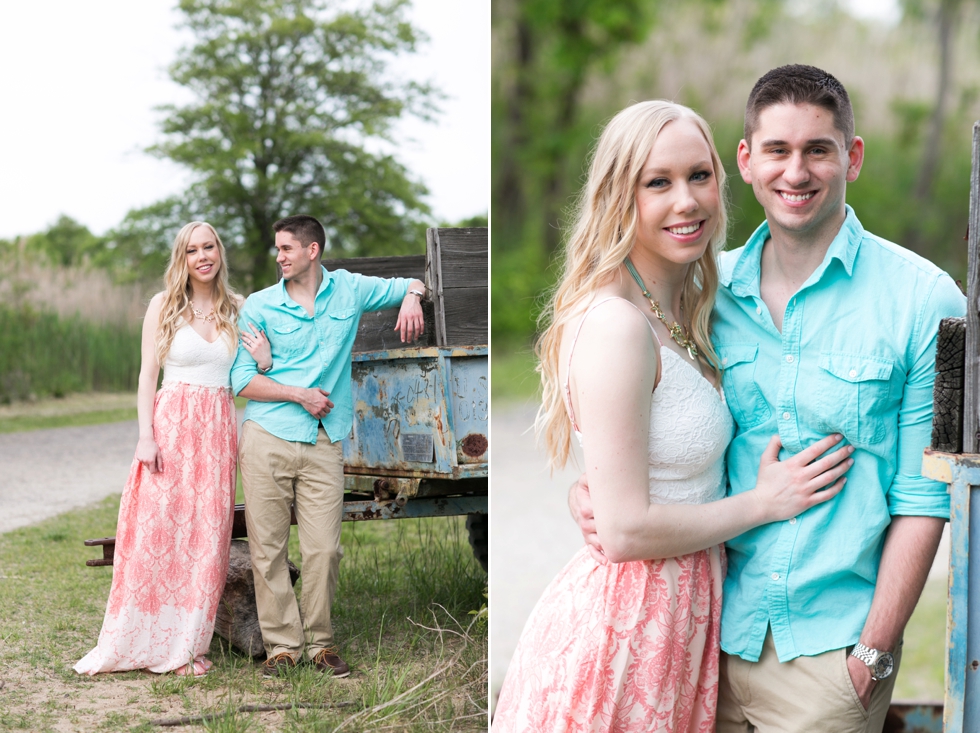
306,229
800,84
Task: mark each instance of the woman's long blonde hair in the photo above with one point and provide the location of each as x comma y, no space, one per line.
598,244
177,294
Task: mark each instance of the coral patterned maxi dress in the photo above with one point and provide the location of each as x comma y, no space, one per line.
634,646
174,530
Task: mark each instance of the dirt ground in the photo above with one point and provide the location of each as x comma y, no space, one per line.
107,703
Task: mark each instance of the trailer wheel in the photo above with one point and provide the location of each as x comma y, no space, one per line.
477,526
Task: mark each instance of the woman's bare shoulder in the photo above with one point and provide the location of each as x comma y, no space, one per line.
156,302
613,318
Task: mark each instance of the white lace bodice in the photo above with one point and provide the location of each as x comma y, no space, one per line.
192,360
690,428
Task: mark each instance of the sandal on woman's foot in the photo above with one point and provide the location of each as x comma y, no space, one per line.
197,669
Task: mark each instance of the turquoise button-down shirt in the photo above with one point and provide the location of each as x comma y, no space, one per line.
856,356
311,351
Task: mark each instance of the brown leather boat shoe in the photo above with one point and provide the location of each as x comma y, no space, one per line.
278,665
327,660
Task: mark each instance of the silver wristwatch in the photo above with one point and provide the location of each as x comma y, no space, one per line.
881,664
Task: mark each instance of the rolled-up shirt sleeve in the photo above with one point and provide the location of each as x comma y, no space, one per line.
912,494
379,293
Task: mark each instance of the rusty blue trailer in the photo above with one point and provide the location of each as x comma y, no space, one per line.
420,442
420,413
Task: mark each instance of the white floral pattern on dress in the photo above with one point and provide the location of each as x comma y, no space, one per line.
174,529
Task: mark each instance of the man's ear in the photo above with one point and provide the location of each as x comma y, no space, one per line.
855,159
742,157
314,253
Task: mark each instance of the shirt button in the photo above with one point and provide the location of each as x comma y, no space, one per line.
758,310
775,576
789,358
793,520
724,361
853,373
786,416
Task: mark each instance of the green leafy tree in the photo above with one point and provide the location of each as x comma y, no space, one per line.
545,52
66,242
288,98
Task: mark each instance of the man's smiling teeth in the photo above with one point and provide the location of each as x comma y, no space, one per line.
797,196
689,229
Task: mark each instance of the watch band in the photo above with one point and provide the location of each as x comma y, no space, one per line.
418,293
880,663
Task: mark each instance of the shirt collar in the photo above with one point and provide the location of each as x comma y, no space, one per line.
284,298
745,275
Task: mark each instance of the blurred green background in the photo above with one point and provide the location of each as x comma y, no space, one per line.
562,69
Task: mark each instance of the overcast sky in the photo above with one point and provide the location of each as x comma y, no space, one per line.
81,79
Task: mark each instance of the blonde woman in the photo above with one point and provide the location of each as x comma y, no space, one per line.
174,529
625,642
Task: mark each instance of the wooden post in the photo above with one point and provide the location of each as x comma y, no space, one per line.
971,376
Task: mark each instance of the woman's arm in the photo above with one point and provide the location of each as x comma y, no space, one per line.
147,451
613,377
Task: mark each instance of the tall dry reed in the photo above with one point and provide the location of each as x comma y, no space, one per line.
65,329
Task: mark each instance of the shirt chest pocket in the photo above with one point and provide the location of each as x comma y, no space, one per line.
288,339
854,395
339,325
742,393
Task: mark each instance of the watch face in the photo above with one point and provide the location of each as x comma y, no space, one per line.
883,666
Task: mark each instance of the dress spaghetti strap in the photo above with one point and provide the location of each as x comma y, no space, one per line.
568,368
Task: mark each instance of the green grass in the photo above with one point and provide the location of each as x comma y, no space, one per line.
512,375
73,411
921,676
43,354
41,422
402,620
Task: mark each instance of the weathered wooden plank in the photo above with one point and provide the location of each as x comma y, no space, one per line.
433,283
464,258
467,322
395,266
375,332
947,399
971,380
457,279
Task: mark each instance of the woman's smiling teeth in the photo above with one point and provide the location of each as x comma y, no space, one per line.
796,197
686,229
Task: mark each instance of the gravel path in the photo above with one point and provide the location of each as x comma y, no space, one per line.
532,534
48,472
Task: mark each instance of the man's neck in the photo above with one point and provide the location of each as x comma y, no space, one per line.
303,289
787,263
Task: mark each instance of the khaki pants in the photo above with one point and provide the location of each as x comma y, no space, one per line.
805,695
275,474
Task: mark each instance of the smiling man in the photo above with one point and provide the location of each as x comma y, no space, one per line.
299,411
823,327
